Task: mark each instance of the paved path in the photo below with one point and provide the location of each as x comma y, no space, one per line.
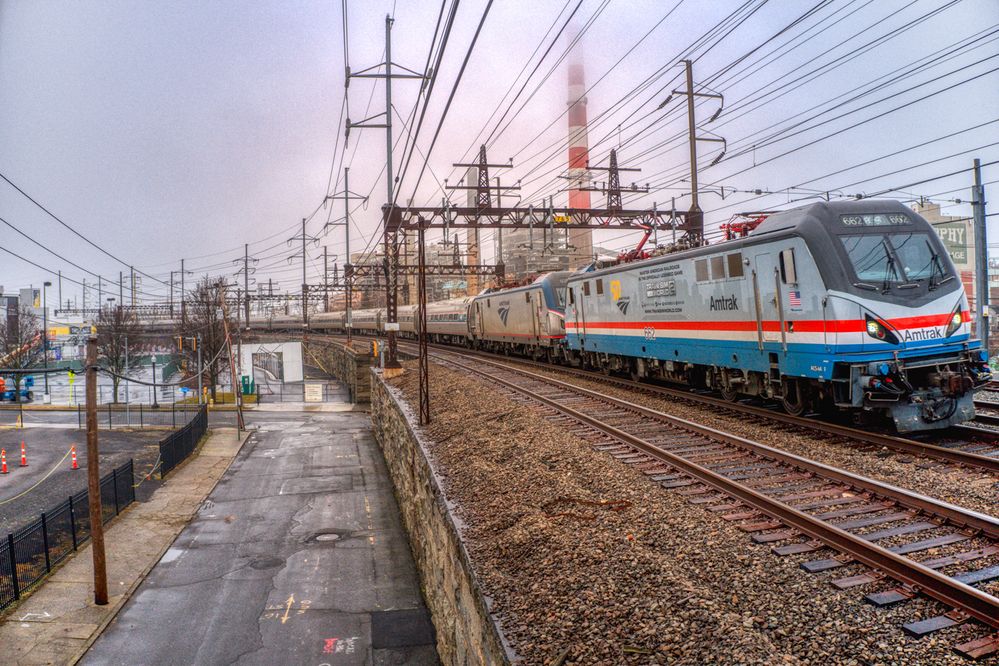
57,622
297,557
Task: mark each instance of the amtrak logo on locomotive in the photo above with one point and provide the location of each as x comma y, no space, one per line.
724,302
504,311
925,334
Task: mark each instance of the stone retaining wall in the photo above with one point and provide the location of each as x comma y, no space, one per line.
466,631
350,365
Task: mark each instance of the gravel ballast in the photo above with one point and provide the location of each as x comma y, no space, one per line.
644,577
972,489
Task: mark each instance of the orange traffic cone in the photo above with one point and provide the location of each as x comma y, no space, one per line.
24,455
3,461
73,451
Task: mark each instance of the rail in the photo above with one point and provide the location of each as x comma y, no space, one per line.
706,456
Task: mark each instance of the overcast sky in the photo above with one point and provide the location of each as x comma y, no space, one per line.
169,130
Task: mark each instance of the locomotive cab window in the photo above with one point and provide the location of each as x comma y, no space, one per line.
701,270
788,274
527,297
718,268
572,296
600,287
734,265
586,289
900,260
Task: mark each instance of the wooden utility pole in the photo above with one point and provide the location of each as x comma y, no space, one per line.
94,480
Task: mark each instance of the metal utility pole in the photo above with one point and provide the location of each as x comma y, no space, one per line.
694,222
59,273
306,239
94,481
121,289
695,217
326,279
45,331
201,371
100,290
245,270
390,239
183,294
421,314
347,195
131,283
981,258
246,281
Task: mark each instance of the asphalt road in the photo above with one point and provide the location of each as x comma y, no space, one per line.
297,557
118,419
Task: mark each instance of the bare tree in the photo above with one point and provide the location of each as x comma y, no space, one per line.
204,317
118,341
20,343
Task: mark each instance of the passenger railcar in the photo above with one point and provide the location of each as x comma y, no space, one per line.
447,321
843,305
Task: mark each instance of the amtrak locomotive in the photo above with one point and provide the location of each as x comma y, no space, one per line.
842,306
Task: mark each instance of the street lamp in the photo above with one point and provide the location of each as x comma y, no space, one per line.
45,333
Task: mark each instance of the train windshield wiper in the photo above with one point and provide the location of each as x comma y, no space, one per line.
889,267
938,267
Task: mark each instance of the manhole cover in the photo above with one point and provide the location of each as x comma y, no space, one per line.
328,537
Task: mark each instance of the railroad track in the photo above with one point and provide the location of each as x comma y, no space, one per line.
973,448
987,413
976,449
798,505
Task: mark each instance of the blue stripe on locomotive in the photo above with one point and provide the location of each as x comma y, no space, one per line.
801,359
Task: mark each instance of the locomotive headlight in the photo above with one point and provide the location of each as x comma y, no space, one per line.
879,331
955,323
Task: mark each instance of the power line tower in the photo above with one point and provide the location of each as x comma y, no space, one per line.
246,270
390,239
613,188
305,239
483,189
346,195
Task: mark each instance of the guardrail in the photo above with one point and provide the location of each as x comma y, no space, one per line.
178,445
28,554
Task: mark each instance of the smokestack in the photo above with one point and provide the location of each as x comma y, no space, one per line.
579,159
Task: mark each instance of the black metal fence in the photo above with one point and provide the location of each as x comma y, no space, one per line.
28,554
175,448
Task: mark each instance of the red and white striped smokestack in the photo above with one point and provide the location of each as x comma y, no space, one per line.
579,159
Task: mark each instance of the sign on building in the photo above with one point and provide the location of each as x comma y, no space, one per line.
956,237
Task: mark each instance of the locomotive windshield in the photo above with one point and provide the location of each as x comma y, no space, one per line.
901,260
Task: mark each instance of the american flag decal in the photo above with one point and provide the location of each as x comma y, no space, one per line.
794,299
